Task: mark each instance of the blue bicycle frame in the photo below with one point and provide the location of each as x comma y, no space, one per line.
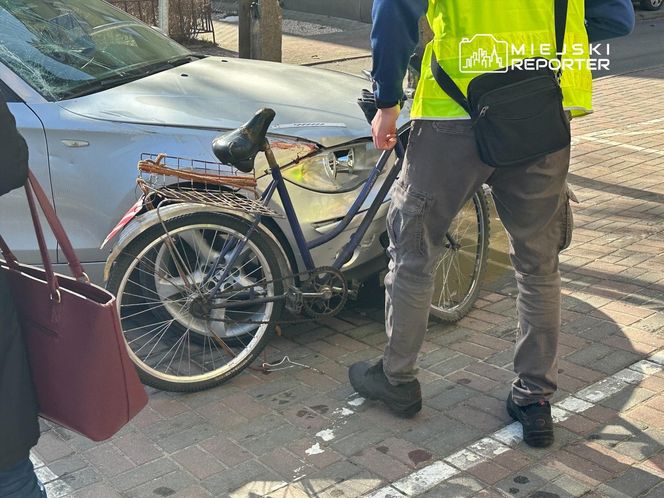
278,184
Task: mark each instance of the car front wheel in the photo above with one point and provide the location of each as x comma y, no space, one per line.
651,4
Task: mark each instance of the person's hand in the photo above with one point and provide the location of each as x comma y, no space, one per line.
384,128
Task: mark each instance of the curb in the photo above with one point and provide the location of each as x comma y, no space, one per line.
332,61
645,16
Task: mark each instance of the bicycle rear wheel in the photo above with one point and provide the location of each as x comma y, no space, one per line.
461,268
179,337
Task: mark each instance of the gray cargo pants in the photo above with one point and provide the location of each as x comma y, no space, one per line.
441,172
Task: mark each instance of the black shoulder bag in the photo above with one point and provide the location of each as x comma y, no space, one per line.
517,113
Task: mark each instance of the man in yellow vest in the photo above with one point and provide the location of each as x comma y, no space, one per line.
443,168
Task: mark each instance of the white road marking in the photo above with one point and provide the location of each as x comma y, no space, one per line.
488,447
630,376
464,459
658,358
356,402
622,132
648,367
572,404
613,143
510,435
55,487
424,479
343,412
485,449
652,121
326,435
314,450
601,390
386,492
559,415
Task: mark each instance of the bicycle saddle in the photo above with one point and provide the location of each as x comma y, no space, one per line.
238,148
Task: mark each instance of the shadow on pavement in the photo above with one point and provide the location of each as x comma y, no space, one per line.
597,449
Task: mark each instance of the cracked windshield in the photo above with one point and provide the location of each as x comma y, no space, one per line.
68,49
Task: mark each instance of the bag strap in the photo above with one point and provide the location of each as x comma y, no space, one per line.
12,261
560,12
34,190
56,227
448,85
7,253
51,277
452,89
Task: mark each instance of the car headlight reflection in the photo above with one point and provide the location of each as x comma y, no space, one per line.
340,169
342,161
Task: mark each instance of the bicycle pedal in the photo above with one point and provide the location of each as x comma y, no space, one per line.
294,300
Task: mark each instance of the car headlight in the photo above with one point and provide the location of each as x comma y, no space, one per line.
338,169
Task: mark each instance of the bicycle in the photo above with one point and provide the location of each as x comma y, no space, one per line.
200,294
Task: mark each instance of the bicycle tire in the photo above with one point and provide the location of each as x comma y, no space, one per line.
247,341
450,302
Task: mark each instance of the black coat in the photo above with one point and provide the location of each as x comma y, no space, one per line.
19,428
13,153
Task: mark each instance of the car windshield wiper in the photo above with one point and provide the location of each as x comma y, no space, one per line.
93,86
170,63
98,85
183,59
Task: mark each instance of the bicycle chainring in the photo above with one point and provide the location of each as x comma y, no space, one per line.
332,284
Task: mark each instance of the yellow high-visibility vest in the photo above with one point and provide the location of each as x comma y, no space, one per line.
472,37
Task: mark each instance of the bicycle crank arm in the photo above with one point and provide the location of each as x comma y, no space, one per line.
244,304
326,293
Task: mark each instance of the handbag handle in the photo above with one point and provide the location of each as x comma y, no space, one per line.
34,190
55,225
7,253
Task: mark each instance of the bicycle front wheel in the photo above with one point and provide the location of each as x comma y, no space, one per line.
459,272
179,336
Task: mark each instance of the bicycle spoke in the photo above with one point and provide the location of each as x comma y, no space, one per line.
174,348
157,336
147,333
147,310
460,267
173,330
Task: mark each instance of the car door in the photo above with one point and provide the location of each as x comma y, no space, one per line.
15,220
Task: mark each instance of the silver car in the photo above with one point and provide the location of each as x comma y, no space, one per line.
93,88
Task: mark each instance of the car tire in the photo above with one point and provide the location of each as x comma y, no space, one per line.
652,4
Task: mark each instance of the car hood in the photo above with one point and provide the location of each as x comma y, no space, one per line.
222,93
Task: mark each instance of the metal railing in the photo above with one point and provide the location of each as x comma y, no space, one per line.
186,18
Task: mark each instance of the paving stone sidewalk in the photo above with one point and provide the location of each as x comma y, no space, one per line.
307,38
302,432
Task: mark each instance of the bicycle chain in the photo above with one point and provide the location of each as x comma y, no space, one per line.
313,316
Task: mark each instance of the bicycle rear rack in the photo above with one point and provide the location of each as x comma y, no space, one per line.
200,182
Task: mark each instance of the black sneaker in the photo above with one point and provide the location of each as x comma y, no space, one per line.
370,382
536,421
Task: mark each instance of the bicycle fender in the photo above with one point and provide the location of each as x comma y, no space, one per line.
124,221
144,222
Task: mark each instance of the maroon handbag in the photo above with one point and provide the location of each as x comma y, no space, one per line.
82,373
